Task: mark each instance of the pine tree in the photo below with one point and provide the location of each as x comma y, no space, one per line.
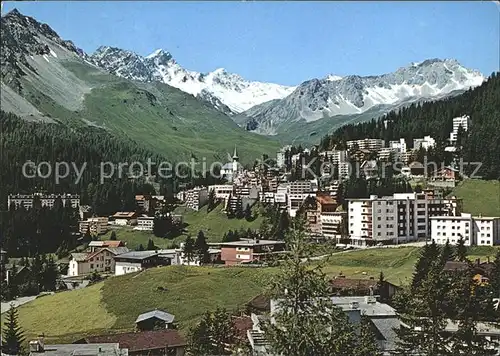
423,320
151,245
428,255
200,342
211,201
446,254
461,250
140,247
112,237
201,248
248,213
189,250
12,334
305,323
13,287
50,273
468,312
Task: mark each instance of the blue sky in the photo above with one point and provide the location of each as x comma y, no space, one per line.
284,42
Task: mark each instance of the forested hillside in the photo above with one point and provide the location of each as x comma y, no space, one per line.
482,144
84,147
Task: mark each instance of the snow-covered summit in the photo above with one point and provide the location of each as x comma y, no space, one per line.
228,90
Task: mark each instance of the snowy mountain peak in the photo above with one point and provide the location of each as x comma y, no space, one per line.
319,98
228,92
332,77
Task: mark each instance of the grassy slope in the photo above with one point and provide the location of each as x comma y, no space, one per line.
480,196
116,302
161,117
213,225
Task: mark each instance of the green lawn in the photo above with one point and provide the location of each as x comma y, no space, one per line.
479,196
189,291
213,225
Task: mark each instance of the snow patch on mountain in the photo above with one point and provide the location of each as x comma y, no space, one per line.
226,90
317,99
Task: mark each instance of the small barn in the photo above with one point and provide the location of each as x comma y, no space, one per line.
155,320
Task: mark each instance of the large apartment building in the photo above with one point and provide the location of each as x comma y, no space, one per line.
196,198
370,144
463,121
96,225
402,217
481,231
46,200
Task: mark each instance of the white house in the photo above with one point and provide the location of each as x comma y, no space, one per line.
98,261
135,261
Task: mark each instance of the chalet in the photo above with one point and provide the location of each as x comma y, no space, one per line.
97,260
154,320
342,286
135,261
166,342
249,250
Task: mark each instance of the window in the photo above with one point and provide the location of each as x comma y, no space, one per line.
91,265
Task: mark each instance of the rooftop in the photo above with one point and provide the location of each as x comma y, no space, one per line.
124,214
138,255
369,309
250,243
109,243
159,314
144,340
92,349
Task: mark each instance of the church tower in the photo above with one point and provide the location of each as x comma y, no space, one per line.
235,161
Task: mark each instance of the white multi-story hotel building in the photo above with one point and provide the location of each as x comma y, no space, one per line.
463,121
481,231
221,191
425,143
399,146
46,200
196,198
371,144
145,223
402,217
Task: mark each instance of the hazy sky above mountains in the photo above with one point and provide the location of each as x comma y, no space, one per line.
283,42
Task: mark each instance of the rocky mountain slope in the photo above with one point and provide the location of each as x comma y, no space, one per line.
47,79
227,92
321,99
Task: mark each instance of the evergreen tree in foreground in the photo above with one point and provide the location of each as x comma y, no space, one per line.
201,248
461,250
213,335
12,334
189,250
306,322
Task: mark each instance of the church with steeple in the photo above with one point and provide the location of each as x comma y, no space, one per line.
231,170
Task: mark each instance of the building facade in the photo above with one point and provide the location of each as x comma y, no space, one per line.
196,198
402,217
480,231
46,200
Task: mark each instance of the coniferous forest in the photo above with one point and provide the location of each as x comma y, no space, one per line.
482,144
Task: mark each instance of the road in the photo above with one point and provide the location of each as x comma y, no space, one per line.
19,301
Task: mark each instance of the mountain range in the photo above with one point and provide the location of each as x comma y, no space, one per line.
36,60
